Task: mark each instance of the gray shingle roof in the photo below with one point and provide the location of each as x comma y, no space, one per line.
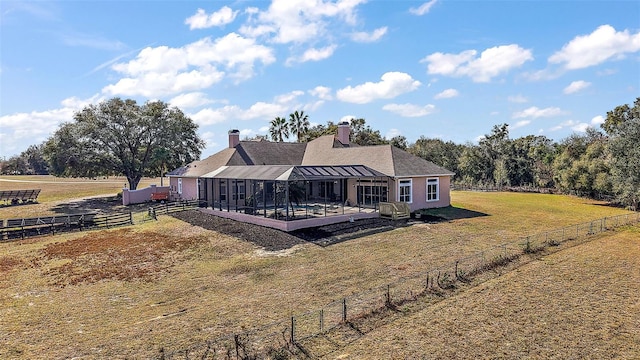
322,151
268,153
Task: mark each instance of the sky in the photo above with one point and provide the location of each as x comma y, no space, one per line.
440,69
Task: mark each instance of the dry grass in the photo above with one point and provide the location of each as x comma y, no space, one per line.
56,190
127,293
580,303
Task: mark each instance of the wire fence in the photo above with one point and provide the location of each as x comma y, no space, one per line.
287,338
22,228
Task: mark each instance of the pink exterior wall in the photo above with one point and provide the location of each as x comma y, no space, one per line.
189,188
419,193
141,195
289,225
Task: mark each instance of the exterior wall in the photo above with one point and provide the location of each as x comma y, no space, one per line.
189,188
419,193
141,195
290,225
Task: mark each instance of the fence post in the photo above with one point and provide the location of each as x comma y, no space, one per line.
344,309
130,217
388,295
321,321
236,340
293,330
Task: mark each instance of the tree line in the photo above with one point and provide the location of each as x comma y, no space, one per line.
120,137
601,163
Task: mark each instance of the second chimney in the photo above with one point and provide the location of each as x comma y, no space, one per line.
343,132
234,138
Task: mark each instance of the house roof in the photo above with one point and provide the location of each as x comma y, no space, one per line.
297,172
201,167
323,151
268,153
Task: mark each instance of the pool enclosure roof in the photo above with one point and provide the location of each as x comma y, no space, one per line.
293,173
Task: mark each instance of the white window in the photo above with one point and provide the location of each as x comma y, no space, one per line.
238,190
433,189
180,186
223,190
404,191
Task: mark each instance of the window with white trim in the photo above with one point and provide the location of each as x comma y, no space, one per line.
404,191
239,190
433,189
223,190
180,186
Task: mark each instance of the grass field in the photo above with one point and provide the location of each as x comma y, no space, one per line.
55,190
580,303
128,292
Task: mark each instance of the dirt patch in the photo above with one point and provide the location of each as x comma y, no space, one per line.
275,240
8,263
267,238
121,254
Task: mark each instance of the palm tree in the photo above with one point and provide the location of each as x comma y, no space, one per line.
278,128
299,124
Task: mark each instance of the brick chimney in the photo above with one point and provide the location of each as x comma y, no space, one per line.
234,138
343,132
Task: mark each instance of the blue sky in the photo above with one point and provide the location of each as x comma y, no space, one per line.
445,69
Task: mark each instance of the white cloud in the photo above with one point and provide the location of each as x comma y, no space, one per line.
259,110
574,125
300,21
535,112
91,41
288,97
410,110
446,94
580,127
602,44
313,55
219,18
19,130
163,70
491,63
423,9
210,116
519,99
520,124
392,133
365,37
190,100
392,84
597,121
321,92
347,118
576,86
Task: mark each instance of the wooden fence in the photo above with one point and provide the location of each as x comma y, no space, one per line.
16,229
15,196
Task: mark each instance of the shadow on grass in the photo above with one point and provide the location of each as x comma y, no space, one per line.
104,205
452,213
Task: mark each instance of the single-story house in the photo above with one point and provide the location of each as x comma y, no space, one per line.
326,180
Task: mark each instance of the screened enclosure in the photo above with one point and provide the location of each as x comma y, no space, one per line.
285,192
